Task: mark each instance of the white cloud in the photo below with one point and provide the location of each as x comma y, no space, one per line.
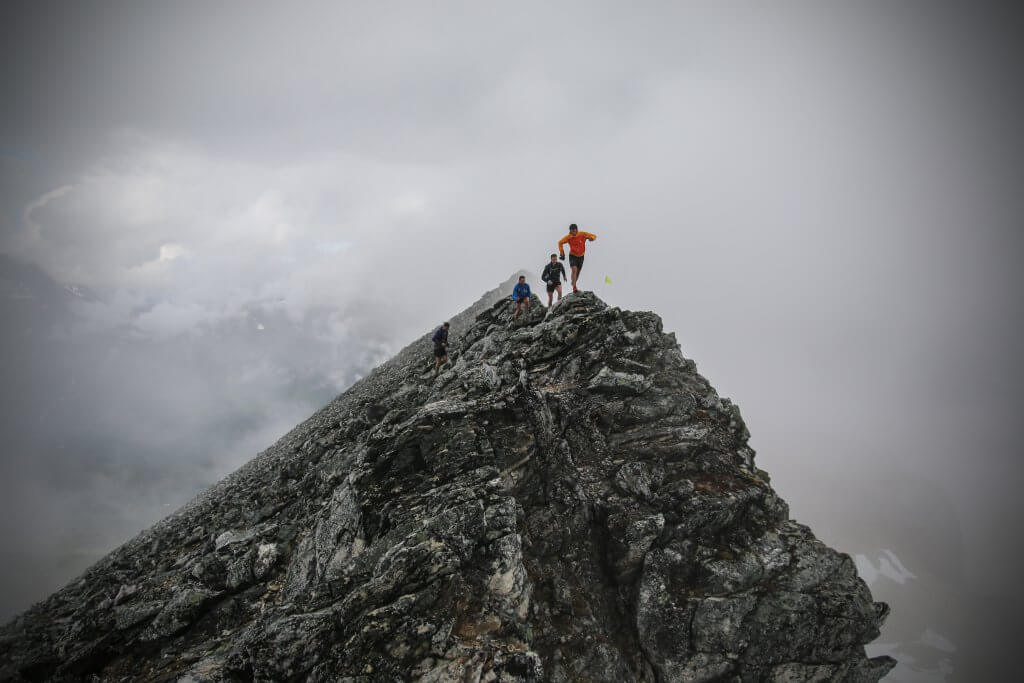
31,225
410,203
216,236
167,319
334,247
169,252
889,566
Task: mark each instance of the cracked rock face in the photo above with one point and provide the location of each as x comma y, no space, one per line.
567,501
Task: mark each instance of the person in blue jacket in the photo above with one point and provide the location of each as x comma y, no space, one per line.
521,293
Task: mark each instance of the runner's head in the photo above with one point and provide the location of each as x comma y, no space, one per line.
572,229
522,278
554,258
447,325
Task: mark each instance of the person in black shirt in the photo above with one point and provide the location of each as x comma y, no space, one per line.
553,274
440,340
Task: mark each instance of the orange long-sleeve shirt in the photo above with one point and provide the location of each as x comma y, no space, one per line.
577,244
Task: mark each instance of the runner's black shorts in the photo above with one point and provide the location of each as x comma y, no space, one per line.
522,299
553,285
576,261
440,351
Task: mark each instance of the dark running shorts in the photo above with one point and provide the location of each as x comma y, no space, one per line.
576,261
552,286
522,299
440,351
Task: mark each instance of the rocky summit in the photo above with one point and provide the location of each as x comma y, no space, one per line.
568,500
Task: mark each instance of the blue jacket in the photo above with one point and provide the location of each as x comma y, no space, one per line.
521,290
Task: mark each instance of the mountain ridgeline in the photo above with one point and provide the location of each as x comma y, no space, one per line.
568,500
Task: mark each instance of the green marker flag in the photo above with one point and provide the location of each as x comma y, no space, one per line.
607,280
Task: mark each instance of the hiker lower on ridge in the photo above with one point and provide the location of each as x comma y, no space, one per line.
577,241
521,293
553,274
440,340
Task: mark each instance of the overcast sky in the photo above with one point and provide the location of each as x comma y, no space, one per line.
256,202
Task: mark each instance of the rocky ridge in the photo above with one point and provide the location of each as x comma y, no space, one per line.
567,501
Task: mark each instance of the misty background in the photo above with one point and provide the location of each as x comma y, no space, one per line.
214,217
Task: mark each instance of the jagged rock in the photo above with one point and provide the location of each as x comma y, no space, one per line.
614,382
267,555
240,572
210,571
231,536
124,592
126,616
568,500
636,479
177,614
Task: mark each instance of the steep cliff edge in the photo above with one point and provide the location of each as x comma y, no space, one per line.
568,501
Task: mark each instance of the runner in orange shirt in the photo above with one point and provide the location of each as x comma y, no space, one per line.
577,241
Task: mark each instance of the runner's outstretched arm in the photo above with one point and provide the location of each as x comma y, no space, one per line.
561,247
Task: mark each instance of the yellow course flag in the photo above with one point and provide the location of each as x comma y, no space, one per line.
607,280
